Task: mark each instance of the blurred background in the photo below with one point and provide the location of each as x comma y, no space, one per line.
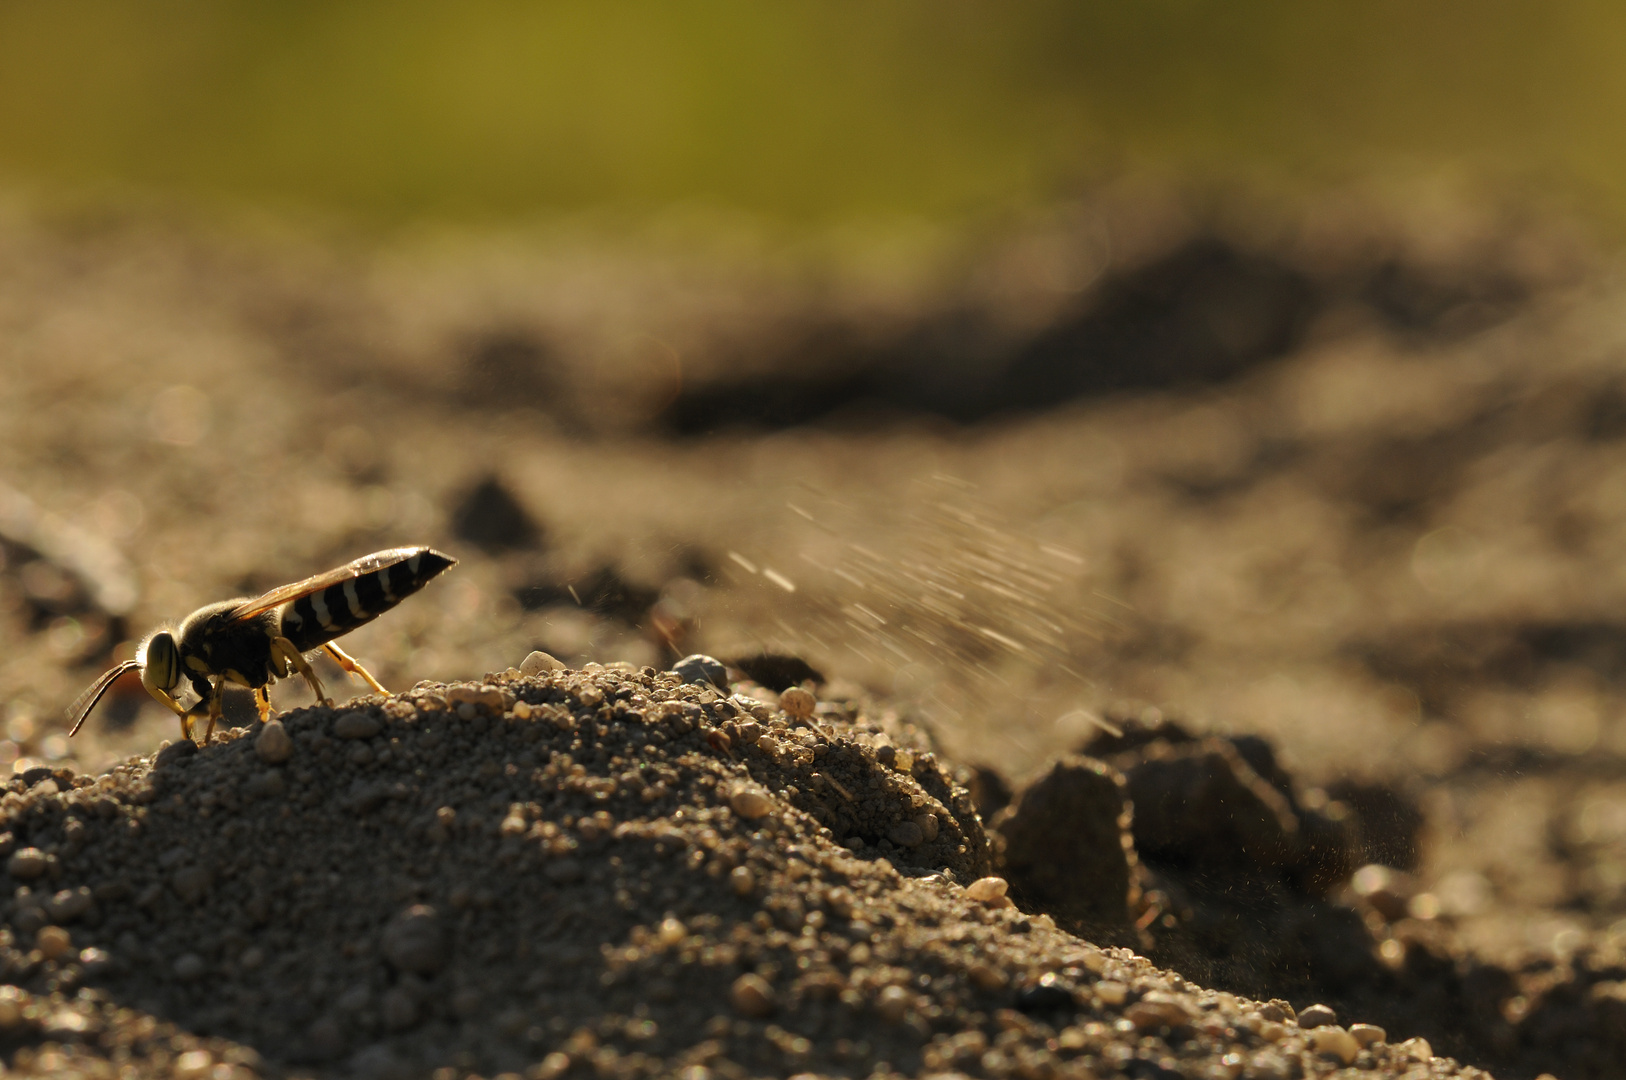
1258,364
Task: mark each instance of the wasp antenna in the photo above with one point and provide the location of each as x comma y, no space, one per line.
87,701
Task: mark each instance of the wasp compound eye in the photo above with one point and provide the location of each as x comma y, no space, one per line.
161,662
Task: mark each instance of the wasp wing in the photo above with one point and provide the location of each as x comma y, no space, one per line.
285,593
87,701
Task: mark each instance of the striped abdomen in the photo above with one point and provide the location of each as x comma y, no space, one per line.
318,617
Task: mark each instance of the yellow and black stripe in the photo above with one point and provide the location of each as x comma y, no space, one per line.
318,617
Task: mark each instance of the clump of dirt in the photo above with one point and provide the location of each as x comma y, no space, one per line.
1219,867
603,872
1067,847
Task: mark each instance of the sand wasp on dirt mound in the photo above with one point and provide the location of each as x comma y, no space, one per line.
254,642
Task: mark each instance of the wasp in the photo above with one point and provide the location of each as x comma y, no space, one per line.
254,642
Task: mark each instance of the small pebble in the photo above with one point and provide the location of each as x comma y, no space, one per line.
522,710
264,784
752,996
537,662
193,1065
1314,1016
928,825
893,1003
987,977
1418,1049
1334,1041
1367,1034
1111,992
1158,1009
482,699
273,744
398,1009
68,904
906,834
1271,1065
671,932
742,881
564,871
191,883
27,864
985,889
1386,889
356,725
750,803
65,1025
798,702
557,1064
414,941
53,942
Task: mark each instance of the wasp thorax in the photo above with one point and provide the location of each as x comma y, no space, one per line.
161,662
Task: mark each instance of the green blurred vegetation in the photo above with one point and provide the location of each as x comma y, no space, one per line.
796,111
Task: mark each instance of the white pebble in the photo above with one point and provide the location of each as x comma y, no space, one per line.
193,1065
1111,992
798,702
750,803
1335,1042
273,744
1367,1034
1314,1016
538,662
985,889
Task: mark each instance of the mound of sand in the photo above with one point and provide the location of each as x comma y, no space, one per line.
604,873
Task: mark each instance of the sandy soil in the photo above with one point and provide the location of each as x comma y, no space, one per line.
1350,488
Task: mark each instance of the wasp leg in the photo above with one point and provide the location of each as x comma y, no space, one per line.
262,699
349,663
283,649
215,711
